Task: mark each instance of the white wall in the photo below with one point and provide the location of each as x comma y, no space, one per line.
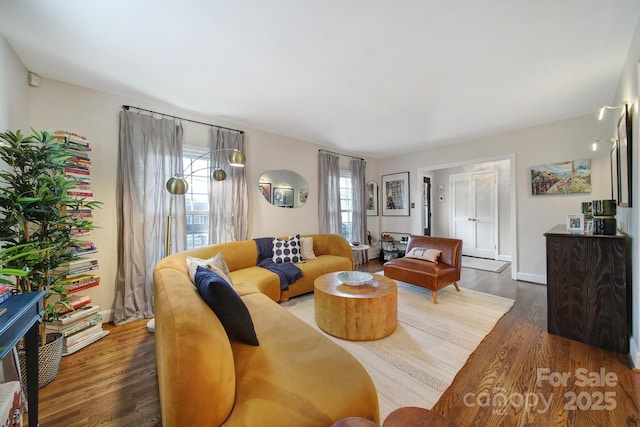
553,142
628,218
94,114
14,91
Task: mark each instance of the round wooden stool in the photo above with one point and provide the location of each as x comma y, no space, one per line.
411,416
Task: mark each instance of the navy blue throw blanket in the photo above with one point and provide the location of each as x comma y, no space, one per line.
287,271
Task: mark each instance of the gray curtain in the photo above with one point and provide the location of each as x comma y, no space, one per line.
358,168
228,199
150,152
329,193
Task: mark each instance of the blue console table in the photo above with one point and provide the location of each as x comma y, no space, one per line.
22,319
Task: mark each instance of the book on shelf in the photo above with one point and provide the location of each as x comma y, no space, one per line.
67,350
71,138
77,266
82,334
5,292
76,301
82,281
82,194
5,296
76,326
75,315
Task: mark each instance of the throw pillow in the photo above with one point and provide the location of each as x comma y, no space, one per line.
287,250
227,305
424,253
216,264
306,246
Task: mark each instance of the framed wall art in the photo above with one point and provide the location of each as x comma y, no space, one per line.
395,194
372,198
283,197
575,223
561,178
623,146
265,189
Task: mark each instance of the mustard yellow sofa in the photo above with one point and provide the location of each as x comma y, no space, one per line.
295,377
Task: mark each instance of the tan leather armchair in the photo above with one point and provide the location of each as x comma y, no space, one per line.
427,274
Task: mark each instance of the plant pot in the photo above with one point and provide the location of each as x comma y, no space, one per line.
49,356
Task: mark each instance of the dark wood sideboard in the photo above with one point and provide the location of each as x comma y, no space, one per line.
588,295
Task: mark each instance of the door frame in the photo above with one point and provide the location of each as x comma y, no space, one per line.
426,220
513,222
495,219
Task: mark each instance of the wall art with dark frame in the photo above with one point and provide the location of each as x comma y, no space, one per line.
372,198
395,194
265,189
283,197
623,148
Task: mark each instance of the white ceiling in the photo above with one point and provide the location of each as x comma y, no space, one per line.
374,77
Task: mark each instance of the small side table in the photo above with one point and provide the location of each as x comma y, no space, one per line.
22,319
360,253
357,313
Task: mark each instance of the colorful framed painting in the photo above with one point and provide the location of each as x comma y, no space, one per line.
561,178
395,193
283,197
265,189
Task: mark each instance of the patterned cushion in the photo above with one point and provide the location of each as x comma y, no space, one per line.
287,250
424,253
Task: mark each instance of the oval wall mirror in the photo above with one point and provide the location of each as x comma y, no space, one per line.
283,188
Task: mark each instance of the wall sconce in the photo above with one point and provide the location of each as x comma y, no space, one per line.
611,142
609,107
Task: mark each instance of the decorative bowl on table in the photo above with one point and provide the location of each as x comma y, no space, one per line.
354,278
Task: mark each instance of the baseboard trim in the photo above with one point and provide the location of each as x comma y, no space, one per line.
634,350
535,278
107,315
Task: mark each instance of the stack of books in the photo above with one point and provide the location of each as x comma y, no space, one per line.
5,293
80,173
80,283
79,327
77,267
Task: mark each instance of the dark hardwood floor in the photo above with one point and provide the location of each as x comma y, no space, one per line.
113,382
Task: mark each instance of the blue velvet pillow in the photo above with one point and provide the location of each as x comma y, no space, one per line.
227,305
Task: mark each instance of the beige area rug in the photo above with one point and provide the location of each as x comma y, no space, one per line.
484,264
416,363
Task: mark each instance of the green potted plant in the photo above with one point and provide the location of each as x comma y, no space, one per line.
37,231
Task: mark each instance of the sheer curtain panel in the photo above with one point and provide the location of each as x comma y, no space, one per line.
358,168
329,193
150,152
228,199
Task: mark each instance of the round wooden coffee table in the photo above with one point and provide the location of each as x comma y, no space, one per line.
357,313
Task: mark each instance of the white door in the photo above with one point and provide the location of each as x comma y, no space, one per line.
474,212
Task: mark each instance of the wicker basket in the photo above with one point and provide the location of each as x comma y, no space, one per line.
49,356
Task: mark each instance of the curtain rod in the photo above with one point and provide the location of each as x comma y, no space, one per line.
343,155
126,107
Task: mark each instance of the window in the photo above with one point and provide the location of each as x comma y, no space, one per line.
346,205
196,173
